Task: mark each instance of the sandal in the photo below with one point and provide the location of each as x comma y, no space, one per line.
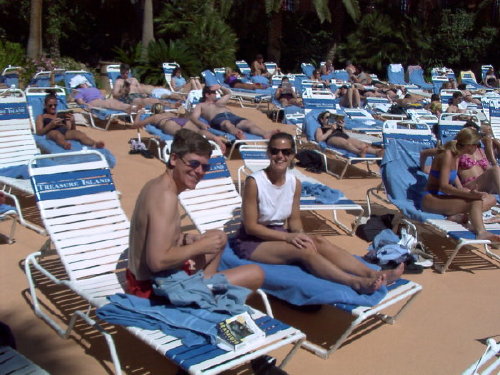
147,154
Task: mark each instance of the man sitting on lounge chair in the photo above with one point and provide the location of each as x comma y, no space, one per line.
156,247
219,117
128,90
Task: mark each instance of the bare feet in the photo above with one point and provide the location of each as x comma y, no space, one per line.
369,286
394,274
495,238
239,134
66,145
99,144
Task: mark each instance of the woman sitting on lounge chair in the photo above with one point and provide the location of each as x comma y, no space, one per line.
286,95
171,123
61,127
445,195
474,168
179,83
331,131
271,200
233,79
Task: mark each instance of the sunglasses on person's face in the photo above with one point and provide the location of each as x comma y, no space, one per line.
284,151
212,92
52,105
193,164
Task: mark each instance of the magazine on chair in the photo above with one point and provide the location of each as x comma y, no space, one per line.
237,332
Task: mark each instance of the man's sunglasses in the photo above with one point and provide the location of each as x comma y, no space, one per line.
284,151
195,164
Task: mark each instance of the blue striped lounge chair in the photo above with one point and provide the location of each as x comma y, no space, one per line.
215,204
89,230
404,182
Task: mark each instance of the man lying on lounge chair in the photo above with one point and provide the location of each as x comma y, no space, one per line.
156,247
219,117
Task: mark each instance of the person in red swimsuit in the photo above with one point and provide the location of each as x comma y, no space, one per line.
157,243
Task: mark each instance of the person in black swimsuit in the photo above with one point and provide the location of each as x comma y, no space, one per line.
331,131
61,127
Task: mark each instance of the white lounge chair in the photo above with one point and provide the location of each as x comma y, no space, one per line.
89,230
14,363
215,204
17,147
403,182
489,361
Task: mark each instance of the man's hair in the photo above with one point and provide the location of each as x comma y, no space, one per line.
124,67
258,56
457,94
186,141
462,86
205,91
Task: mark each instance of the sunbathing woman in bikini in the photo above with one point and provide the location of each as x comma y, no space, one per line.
444,193
271,200
476,172
171,123
61,128
332,132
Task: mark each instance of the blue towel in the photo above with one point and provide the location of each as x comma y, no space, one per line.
51,147
403,180
5,208
386,247
323,193
16,171
213,294
193,326
298,287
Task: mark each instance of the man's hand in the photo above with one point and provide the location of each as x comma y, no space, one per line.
213,241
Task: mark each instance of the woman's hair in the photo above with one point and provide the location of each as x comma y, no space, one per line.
187,141
472,124
281,135
321,115
176,69
157,108
466,136
434,97
51,94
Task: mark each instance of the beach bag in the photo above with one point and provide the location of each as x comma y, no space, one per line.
310,160
374,226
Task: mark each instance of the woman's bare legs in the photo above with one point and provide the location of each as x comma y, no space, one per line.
449,206
77,135
368,148
110,104
489,181
59,138
322,263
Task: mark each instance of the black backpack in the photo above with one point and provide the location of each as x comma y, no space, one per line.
311,161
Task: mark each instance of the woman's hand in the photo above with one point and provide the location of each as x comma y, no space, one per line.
301,241
478,194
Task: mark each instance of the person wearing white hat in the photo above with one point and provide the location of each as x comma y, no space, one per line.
92,97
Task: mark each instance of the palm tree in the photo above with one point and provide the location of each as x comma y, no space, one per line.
34,48
147,25
276,8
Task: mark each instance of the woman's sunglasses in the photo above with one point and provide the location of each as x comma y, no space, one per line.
284,151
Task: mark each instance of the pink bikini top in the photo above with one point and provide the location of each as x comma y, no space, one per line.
467,162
